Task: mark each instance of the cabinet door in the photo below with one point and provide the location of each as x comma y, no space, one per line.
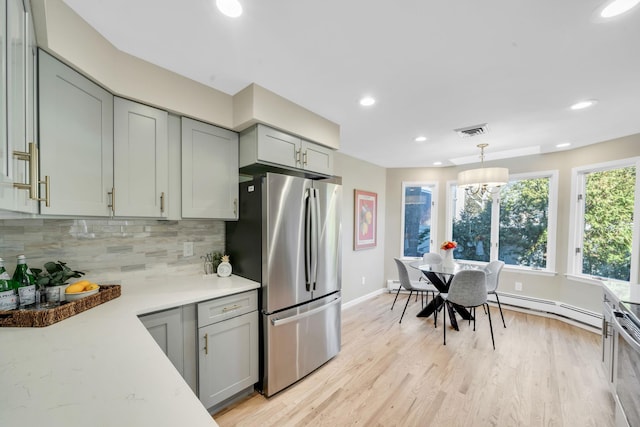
209,171
141,160
166,329
16,113
317,158
278,147
228,358
76,140
6,181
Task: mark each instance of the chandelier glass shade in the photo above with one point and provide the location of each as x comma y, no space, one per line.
483,180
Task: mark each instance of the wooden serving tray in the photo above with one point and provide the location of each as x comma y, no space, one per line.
39,318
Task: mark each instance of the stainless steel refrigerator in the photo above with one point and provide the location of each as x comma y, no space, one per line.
288,238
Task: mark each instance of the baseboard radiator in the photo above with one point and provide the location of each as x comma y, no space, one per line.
559,310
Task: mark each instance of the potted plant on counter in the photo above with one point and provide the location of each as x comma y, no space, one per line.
55,278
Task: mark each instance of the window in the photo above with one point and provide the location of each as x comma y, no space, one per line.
418,214
604,231
515,225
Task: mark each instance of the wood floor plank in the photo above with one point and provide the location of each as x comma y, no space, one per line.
543,373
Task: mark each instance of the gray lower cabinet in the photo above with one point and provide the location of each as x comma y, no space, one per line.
213,344
175,332
227,347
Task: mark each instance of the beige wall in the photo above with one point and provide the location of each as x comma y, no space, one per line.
367,263
556,288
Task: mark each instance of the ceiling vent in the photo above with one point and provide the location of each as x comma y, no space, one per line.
472,130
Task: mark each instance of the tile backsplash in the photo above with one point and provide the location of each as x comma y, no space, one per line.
111,249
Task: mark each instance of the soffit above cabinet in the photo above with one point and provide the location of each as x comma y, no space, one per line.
255,104
64,34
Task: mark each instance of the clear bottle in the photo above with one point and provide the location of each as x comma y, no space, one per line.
8,296
26,283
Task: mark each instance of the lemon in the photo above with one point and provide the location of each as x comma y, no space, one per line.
91,286
74,288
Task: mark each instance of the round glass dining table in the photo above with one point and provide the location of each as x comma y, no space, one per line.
440,276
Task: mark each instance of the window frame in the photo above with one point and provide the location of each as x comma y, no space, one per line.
434,213
552,219
576,215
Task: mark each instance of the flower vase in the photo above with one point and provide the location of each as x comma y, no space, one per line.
447,259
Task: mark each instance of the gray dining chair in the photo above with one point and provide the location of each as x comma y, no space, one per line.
409,285
431,259
493,270
468,289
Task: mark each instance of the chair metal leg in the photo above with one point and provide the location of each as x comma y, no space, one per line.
397,293
474,319
444,323
491,327
500,307
405,306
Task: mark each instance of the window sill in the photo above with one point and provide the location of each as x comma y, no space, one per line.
526,270
585,279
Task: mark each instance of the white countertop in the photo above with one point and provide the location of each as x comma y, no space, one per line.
624,291
101,367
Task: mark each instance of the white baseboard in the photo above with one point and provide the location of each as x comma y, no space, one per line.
363,298
576,316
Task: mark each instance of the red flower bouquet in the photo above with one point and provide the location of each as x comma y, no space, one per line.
446,245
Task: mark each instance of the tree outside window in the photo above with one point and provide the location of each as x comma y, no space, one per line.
517,217
607,225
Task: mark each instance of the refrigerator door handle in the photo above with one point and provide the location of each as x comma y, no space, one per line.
307,238
280,322
316,236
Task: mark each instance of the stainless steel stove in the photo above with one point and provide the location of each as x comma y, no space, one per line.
627,364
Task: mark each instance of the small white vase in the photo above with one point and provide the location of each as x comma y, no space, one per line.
447,258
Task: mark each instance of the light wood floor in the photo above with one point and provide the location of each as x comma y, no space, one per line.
542,373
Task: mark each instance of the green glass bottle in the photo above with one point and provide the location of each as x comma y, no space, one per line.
8,296
26,283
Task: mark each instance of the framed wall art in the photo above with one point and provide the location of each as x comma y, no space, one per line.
365,230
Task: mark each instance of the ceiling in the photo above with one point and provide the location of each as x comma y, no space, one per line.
432,66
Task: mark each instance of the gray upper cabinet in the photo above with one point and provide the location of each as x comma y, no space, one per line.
266,146
141,160
17,112
76,140
209,171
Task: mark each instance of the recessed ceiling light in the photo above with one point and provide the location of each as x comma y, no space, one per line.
420,138
367,101
231,8
437,163
563,145
584,104
618,7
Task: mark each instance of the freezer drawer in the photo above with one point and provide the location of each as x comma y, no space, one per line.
299,340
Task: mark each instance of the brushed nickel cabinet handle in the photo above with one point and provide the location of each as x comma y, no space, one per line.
297,155
234,307
112,193
32,157
235,206
206,343
162,202
47,193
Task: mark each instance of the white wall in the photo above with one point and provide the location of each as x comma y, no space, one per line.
367,263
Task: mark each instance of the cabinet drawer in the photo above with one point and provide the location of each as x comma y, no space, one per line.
220,309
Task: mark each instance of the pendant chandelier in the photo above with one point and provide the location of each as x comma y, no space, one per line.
478,182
